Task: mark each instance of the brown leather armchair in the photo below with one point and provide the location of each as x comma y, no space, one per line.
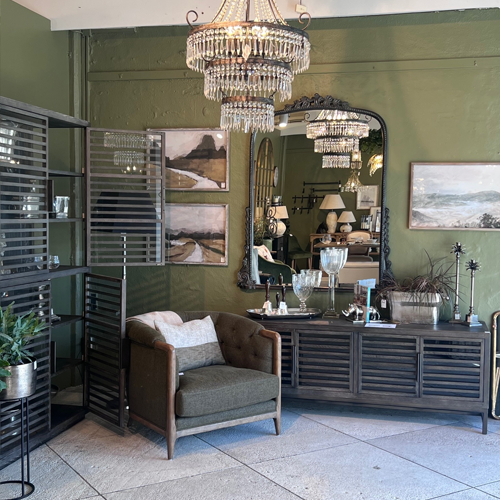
246,389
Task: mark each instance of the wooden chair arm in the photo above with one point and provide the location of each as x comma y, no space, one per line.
275,337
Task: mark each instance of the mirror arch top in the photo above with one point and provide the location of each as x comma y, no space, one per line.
304,105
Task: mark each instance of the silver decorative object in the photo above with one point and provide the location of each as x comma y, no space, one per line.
471,319
458,250
332,261
21,383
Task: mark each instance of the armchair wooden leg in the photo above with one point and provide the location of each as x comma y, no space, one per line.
171,438
277,424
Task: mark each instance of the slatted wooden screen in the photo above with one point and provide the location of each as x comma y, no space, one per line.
325,360
389,365
452,368
105,353
23,192
125,175
36,297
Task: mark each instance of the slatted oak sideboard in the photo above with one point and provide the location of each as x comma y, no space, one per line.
426,367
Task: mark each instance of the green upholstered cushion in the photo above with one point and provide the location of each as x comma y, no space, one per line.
218,388
183,423
195,342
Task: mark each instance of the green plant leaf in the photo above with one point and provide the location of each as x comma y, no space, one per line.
17,332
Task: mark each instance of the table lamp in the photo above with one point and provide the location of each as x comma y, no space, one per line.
275,214
331,202
345,217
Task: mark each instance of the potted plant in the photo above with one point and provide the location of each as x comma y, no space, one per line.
17,365
418,299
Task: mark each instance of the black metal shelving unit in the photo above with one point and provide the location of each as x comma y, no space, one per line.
24,238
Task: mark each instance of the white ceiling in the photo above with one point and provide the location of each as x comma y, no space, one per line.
95,14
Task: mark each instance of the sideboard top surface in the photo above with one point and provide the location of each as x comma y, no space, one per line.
343,325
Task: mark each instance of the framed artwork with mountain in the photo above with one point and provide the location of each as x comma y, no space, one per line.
455,196
196,233
196,159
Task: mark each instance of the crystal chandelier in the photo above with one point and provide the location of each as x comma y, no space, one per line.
353,183
336,160
246,63
336,134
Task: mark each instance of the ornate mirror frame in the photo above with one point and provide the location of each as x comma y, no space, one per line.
305,104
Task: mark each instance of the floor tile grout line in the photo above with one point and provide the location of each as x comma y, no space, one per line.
468,489
381,437
253,470
420,465
75,471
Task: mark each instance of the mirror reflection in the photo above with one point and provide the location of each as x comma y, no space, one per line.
318,183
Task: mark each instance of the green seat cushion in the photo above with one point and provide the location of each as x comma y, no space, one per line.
218,388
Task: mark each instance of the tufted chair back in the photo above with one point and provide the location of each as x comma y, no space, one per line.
239,339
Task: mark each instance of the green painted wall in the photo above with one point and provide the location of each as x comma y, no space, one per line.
34,61
432,77
36,67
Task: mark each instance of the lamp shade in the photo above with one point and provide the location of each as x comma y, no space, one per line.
347,216
332,202
280,212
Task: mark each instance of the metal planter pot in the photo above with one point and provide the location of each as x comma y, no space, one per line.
408,308
22,382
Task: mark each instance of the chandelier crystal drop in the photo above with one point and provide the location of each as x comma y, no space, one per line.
246,63
243,114
336,122
336,144
336,160
353,183
344,128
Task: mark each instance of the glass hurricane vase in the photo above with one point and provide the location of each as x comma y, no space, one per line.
332,261
303,286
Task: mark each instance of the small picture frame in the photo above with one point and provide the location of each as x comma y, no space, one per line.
196,159
367,197
376,215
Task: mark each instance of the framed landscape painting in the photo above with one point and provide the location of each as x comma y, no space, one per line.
455,196
196,159
196,233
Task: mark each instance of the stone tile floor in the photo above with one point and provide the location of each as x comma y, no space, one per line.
325,452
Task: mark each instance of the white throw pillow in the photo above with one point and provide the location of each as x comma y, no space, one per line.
149,318
195,342
265,253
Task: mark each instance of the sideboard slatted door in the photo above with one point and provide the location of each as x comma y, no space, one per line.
287,360
453,369
105,363
325,360
388,365
23,193
26,298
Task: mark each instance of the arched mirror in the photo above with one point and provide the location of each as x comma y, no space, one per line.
301,180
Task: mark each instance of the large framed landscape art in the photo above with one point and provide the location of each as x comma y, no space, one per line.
455,196
196,233
196,159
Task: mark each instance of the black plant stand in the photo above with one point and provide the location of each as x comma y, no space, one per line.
25,484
